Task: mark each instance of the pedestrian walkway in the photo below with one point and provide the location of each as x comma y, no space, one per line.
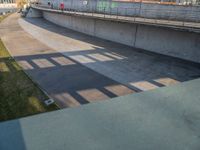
137,69
76,69
65,80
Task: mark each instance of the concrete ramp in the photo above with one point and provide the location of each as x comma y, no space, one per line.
163,119
75,69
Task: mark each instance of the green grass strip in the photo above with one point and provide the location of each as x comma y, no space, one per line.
19,96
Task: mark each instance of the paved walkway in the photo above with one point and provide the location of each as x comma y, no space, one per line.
137,69
65,80
75,69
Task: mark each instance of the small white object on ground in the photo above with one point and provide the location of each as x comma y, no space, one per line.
49,102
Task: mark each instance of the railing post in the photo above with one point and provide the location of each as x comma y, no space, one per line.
184,16
117,12
104,11
75,10
110,11
140,7
135,10
92,11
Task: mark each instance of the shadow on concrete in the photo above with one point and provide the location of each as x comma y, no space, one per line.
70,80
121,49
142,60
72,84
11,136
67,81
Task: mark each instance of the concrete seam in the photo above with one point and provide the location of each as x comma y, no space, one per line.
94,27
135,35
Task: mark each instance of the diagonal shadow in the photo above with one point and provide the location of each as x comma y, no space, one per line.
67,80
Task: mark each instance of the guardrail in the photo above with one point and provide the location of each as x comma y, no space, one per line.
191,15
178,15
118,14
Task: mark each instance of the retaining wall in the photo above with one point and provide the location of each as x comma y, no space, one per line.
32,13
166,41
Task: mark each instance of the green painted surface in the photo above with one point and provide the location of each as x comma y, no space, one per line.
106,5
165,119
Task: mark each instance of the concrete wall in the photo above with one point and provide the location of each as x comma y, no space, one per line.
118,32
147,10
33,13
180,44
170,42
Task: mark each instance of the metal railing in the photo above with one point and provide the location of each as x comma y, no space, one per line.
174,18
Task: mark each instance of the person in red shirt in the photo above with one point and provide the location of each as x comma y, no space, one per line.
62,6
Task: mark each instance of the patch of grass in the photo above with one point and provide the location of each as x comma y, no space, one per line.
19,96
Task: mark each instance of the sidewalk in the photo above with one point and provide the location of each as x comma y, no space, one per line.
68,82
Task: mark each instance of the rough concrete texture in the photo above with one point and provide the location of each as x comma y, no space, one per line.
170,42
163,119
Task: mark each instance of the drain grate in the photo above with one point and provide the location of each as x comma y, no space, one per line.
49,102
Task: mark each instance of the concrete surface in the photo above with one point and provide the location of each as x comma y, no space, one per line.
165,119
68,82
76,69
130,66
166,41
32,13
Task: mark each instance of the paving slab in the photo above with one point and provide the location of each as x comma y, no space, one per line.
76,69
138,69
67,81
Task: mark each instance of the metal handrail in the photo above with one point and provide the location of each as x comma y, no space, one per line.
136,17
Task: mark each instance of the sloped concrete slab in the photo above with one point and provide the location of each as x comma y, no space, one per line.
166,119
